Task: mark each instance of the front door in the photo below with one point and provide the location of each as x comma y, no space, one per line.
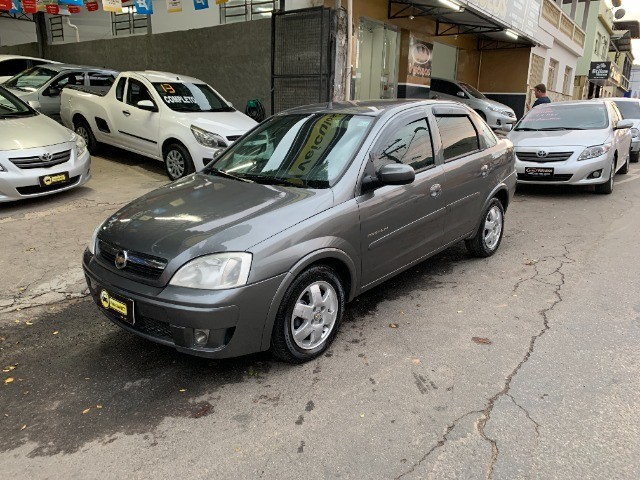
138,128
50,96
401,223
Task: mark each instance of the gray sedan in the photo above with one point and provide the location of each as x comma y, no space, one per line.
262,249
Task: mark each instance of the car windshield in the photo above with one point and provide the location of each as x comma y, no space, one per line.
11,107
191,97
31,80
629,110
301,150
585,116
472,91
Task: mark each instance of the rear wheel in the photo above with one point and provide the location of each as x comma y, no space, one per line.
607,187
177,161
82,128
635,156
489,235
309,315
625,168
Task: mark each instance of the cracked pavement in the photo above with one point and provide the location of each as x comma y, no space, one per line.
550,392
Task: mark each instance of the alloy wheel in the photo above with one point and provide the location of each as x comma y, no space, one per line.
314,315
175,164
492,227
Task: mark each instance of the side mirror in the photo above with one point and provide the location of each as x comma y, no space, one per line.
397,174
35,105
147,105
624,124
461,94
505,127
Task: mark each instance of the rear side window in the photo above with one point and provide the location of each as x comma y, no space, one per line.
444,86
97,79
120,89
459,136
410,144
9,68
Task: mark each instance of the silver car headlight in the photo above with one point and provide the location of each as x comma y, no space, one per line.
635,133
214,272
595,151
94,239
81,146
208,139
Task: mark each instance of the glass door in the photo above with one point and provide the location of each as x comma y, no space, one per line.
377,61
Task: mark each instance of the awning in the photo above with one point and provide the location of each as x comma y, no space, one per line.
632,25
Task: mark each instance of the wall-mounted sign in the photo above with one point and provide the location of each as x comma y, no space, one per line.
599,70
200,4
174,6
112,6
144,7
419,58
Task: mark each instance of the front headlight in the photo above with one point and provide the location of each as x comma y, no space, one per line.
94,239
595,151
2,169
81,146
214,272
208,139
635,133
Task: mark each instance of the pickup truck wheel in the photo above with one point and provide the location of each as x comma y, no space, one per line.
82,128
177,161
489,235
309,315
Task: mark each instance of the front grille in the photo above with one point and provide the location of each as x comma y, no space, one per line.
33,189
233,138
152,327
38,162
139,264
561,177
551,157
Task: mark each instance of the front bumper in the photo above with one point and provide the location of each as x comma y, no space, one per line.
236,318
569,172
21,183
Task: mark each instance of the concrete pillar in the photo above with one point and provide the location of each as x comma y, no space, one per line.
574,6
585,17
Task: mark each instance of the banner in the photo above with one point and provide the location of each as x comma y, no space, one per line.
174,6
52,7
200,4
41,5
112,6
77,3
29,6
91,6
74,9
144,7
220,2
6,5
16,6
419,58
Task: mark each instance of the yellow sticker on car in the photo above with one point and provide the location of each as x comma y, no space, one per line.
110,303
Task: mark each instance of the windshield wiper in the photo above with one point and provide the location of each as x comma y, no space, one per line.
224,174
525,129
268,180
551,129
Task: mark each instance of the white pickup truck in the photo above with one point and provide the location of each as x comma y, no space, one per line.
179,120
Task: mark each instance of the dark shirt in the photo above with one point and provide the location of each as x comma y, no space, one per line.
541,100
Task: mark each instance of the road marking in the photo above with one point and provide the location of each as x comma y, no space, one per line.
630,178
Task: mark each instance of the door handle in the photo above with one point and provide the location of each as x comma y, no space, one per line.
126,113
484,170
436,190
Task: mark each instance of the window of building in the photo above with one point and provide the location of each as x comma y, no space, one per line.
458,135
128,22
410,144
244,10
56,29
568,77
551,75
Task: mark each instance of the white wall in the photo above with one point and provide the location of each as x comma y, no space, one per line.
91,26
16,32
565,58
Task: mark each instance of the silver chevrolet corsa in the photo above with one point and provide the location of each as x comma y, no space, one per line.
262,249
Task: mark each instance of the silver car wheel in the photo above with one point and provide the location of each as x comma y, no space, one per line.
80,130
492,227
175,164
314,315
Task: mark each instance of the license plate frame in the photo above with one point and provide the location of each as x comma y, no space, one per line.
539,171
116,305
53,179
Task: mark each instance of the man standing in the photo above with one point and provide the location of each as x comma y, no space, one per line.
541,95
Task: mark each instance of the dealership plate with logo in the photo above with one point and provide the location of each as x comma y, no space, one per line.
120,307
55,179
539,171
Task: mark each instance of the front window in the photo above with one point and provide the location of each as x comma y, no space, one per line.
11,107
303,150
32,79
587,116
629,110
472,91
191,97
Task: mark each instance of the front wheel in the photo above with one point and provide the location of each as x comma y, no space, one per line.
625,168
309,315
607,187
489,235
177,161
82,129
635,156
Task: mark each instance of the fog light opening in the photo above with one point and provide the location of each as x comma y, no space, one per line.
596,174
200,337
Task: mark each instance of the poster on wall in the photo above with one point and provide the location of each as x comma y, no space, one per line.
420,53
174,6
144,7
112,6
200,4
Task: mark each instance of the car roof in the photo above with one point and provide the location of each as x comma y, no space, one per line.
623,99
156,76
59,67
13,57
371,108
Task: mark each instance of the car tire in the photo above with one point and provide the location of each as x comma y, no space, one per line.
82,128
177,161
635,156
625,168
309,315
489,235
606,188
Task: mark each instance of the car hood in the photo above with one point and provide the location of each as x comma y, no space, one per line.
202,214
32,132
23,93
563,138
224,123
495,104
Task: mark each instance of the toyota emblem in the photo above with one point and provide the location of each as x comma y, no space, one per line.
46,157
121,259
542,153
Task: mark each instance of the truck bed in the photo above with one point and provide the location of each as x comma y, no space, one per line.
98,91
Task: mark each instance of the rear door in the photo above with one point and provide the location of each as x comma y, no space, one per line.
467,176
401,223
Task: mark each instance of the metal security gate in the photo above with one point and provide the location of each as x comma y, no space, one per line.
301,57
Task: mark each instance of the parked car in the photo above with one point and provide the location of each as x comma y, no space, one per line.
11,65
494,113
316,205
574,143
44,84
177,119
37,155
630,110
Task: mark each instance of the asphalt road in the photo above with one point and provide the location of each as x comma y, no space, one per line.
524,365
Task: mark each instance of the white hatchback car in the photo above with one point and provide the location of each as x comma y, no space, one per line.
575,143
38,156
